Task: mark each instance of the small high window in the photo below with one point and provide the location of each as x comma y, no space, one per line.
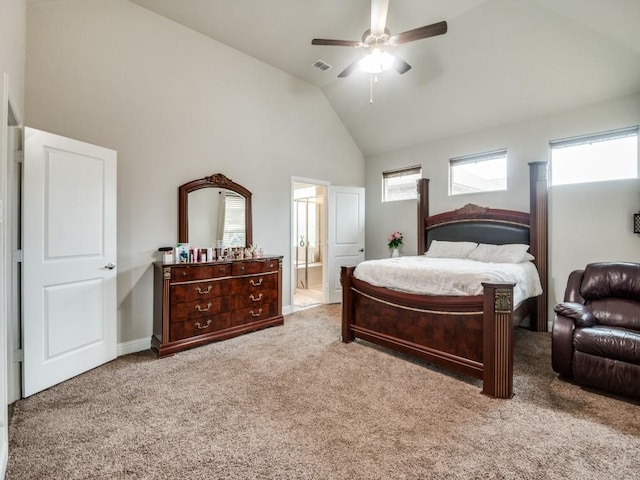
482,172
595,158
400,184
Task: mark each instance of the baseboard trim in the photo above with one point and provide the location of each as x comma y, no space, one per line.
134,346
287,310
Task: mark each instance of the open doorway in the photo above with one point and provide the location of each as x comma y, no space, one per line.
308,243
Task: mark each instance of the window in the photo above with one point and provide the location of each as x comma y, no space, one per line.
482,172
400,184
595,158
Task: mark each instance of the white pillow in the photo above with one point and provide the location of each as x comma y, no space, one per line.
444,249
510,253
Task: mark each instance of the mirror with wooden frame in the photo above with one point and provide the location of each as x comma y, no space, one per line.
213,209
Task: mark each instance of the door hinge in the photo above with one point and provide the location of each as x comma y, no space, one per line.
18,256
18,156
18,356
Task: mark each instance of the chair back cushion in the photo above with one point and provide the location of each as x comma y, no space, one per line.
612,292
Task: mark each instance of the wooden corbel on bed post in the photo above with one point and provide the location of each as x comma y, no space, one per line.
538,214
423,212
497,370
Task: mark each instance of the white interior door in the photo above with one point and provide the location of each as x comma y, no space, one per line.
346,234
69,245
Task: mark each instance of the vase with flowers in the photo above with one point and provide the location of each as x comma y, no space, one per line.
395,240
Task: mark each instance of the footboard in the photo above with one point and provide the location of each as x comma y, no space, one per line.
469,335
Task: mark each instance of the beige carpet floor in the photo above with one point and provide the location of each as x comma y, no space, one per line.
293,402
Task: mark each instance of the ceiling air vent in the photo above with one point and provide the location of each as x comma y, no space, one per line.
322,65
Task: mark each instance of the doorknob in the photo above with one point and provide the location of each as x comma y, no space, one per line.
110,266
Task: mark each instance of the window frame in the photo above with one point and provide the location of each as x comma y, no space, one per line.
400,172
478,158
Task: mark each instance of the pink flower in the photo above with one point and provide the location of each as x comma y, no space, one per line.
394,239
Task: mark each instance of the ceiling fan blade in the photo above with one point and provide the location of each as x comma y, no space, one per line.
422,32
349,70
379,10
336,43
400,65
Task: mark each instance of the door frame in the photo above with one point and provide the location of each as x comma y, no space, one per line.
292,243
13,257
8,115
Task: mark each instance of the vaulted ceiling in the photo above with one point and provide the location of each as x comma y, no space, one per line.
500,61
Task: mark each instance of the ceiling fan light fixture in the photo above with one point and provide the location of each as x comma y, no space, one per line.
377,61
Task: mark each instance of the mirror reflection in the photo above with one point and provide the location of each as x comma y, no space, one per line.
217,214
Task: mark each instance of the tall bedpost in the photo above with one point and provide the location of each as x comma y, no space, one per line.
538,191
347,303
423,212
497,333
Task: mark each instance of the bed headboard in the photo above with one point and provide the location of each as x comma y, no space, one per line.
488,225
473,223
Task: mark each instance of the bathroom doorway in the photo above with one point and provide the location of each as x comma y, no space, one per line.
308,243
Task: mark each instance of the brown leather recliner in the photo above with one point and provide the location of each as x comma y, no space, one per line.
596,331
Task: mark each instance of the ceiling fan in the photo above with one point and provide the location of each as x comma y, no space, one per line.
377,41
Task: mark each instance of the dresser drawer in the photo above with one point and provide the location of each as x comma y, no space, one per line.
199,326
256,283
255,313
255,266
200,308
195,291
200,272
255,299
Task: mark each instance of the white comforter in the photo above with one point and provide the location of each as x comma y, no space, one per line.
448,276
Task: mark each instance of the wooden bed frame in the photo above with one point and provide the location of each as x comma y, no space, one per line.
470,335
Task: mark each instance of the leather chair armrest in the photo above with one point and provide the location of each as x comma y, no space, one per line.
562,345
579,313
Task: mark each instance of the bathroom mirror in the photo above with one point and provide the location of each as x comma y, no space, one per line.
213,209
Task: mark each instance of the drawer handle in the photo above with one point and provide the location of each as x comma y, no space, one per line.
256,314
202,292
242,269
254,299
202,327
256,284
200,309
223,270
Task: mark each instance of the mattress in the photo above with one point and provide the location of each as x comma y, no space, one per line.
448,276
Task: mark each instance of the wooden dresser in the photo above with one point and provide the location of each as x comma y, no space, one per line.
198,303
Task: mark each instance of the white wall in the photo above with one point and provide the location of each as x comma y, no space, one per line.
177,106
12,48
588,223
